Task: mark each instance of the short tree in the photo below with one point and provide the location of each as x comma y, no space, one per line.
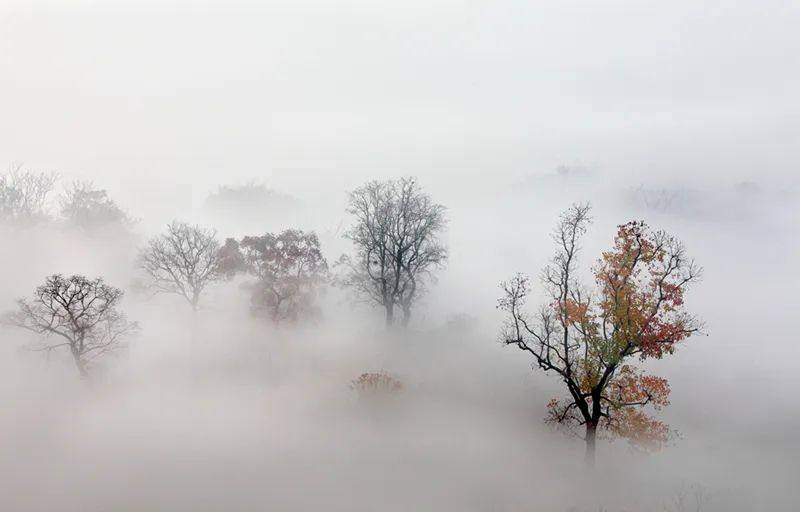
23,195
87,207
183,261
396,235
231,259
290,270
371,384
77,313
590,339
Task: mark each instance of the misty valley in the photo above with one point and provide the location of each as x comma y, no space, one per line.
387,256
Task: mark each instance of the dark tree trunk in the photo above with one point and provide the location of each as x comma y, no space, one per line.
591,436
81,365
389,315
406,316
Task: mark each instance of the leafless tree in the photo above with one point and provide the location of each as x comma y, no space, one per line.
81,314
397,239
23,194
87,207
184,261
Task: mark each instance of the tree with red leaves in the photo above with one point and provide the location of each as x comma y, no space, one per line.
590,338
290,271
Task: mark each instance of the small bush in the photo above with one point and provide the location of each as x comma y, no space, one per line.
376,383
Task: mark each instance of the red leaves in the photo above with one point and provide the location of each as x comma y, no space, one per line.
638,310
630,386
588,336
628,394
623,404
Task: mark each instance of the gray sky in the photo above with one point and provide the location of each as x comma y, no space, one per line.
304,92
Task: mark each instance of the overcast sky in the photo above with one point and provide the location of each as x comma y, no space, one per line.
298,93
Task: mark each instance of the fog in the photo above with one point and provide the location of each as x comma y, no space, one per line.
682,115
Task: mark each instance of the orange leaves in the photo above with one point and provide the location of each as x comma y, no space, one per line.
576,312
630,386
641,283
627,394
588,336
622,406
639,428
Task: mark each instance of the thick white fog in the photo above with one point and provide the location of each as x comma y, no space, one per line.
681,114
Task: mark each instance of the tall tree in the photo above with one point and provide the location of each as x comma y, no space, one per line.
396,234
591,338
77,313
183,261
289,268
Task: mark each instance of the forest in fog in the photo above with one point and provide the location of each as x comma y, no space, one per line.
365,257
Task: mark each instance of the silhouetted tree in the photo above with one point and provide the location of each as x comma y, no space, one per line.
87,207
590,338
290,270
396,236
77,313
23,195
184,261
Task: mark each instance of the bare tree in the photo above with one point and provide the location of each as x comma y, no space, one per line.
184,261
23,194
590,339
396,236
88,207
81,314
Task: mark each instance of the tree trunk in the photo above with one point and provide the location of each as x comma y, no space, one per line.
406,316
81,365
591,436
389,315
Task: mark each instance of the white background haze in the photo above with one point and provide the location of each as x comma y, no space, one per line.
507,112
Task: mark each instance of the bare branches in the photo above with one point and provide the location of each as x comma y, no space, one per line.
184,261
23,194
82,313
396,235
586,336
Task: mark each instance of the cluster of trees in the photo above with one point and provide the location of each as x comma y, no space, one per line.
590,337
396,234
25,200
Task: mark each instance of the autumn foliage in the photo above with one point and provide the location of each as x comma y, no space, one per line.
289,268
591,337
